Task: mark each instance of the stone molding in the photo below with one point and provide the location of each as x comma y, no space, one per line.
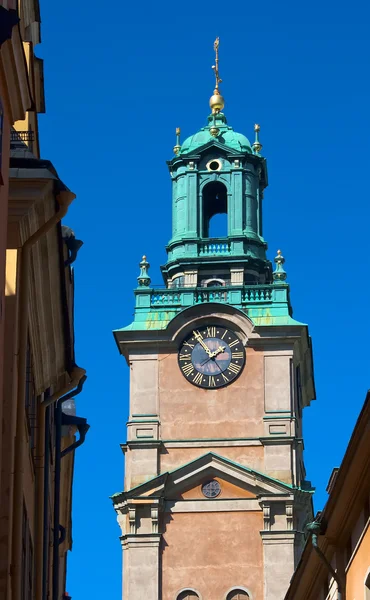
207,505
279,537
140,540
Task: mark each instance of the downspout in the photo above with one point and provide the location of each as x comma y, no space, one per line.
64,199
82,426
58,531
314,529
41,562
45,521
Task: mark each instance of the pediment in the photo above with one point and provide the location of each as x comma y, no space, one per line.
223,148
186,480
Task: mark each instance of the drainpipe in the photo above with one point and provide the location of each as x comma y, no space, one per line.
314,529
64,199
82,426
45,521
59,532
41,537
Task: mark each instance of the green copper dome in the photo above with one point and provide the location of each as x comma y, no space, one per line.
226,135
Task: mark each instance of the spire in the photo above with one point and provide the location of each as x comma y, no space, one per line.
216,102
144,279
279,274
257,146
177,147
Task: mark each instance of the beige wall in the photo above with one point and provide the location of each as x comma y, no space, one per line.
359,568
234,411
212,552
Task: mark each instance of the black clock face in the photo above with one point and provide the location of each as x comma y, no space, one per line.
211,357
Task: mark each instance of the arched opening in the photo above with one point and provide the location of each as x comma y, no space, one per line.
187,595
215,210
237,595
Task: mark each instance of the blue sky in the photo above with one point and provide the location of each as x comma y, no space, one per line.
119,79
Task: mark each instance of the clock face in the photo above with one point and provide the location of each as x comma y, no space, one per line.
211,357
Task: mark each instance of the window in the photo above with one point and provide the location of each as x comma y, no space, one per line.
177,282
211,489
215,283
214,203
27,559
237,595
187,595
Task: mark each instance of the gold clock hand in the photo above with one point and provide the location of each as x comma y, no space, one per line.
202,342
219,350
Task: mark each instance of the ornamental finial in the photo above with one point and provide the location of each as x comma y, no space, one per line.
279,274
216,102
215,66
144,279
257,146
177,147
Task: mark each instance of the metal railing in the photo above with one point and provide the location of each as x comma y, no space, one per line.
20,138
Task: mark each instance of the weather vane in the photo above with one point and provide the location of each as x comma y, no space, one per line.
215,66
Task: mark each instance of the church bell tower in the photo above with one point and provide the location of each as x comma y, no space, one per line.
215,497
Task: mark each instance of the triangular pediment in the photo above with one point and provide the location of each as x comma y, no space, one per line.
223,148
187,477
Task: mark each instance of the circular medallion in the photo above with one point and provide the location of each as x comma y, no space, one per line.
211,489
211,357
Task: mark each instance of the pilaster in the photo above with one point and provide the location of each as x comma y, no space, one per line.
141,566
278,557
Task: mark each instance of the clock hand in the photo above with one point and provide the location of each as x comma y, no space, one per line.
213,355
219,350
201,342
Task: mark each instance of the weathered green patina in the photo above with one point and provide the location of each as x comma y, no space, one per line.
214,171
227,136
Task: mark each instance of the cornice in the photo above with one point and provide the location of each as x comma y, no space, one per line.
18,96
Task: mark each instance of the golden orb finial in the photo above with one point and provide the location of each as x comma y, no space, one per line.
216,101
177,147
257,146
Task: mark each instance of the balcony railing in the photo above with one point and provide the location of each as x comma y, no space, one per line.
22,137
214,247
253,294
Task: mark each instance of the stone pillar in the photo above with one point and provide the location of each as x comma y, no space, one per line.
191,278
237,276
143,425
278,559
141,566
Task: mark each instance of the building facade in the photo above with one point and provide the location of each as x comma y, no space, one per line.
38,373
215,495
335,564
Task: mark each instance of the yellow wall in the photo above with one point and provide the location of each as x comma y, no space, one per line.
359,568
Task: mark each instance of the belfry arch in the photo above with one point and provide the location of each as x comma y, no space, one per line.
214,202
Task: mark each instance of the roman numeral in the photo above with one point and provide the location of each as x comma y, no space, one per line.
184,356
188,369
233,343
198,378
211,332
188,344
237,355
211,381
226,379
223,335
197,335
234,368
